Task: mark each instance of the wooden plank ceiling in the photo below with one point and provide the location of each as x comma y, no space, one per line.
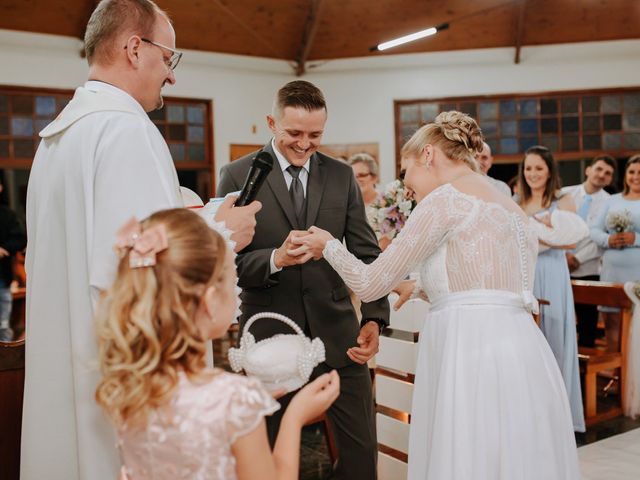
307,30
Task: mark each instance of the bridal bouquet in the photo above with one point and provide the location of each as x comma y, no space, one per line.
389,212
620,221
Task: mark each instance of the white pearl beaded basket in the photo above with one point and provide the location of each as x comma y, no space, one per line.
280,362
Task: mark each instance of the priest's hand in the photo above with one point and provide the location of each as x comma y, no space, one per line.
240,220
368,343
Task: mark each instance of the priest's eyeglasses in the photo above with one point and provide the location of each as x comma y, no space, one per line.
173,61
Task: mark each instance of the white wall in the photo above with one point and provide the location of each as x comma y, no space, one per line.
360,92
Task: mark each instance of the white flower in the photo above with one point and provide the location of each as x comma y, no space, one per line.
620,221
405,207
391,188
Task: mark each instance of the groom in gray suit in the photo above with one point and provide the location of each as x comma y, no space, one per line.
308,188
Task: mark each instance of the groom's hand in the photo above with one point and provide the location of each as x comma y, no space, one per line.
283,257
368,343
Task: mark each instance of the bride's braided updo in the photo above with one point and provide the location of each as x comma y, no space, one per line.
455,133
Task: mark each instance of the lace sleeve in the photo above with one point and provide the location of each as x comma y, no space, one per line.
249,404
428,226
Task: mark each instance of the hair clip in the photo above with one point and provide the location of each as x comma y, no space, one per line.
143,245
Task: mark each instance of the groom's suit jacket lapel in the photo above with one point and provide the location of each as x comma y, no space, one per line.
315,189
278,186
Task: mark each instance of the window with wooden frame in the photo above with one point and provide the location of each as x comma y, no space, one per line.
573,124
186,125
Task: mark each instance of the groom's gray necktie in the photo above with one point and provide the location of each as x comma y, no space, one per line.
296,192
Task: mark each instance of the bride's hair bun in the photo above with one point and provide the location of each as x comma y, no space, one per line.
460,127
456,133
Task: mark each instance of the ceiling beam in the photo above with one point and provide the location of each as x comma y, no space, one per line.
310,29
519,31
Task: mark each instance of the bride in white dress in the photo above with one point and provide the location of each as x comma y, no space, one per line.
489,401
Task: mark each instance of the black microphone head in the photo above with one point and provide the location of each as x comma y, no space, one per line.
261,166
263,160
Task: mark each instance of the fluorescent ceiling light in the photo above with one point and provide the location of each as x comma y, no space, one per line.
411,37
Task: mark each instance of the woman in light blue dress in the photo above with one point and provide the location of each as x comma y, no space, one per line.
539,186
621,240
621,259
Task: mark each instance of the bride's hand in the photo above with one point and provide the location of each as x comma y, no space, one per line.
404,290
311,244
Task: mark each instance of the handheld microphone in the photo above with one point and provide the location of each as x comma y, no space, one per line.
260,168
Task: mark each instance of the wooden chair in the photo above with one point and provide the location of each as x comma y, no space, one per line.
11,395
536,316
596,360
395,371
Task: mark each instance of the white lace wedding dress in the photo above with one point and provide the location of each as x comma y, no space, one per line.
489,401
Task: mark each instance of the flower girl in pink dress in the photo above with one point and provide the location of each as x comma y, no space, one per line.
177,419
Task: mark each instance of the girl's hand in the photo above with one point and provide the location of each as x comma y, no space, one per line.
314,398
311,244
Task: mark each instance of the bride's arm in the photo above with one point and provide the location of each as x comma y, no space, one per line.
426,229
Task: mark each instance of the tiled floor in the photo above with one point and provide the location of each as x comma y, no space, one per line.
314,457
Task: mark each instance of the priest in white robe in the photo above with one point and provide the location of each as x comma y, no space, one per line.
99,163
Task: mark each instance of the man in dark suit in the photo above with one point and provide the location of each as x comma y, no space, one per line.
308,188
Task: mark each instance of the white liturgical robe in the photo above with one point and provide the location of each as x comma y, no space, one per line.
99,163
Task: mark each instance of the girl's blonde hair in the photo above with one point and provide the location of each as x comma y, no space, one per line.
455,133
145,322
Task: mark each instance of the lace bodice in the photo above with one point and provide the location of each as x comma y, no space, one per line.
458,241
193,438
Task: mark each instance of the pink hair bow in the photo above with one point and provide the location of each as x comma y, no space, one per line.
144,245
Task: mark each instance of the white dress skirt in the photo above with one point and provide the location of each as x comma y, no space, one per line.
489,402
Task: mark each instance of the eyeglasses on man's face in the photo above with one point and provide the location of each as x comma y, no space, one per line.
172,62
363,175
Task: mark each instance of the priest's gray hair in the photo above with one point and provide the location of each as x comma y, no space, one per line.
113,17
